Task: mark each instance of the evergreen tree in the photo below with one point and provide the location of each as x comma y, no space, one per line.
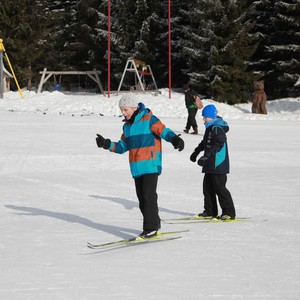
229,55
181,36
219,47
141,46
285,47
154,41
277,58
212,41
24,32
75,37
135,31
80,33
196,42
62,29
158,41
123,36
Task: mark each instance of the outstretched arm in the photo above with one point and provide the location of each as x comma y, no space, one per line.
159,129
102,142
117,147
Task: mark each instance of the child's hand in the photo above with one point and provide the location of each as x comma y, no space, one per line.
193,156
177,142
102,142
202,160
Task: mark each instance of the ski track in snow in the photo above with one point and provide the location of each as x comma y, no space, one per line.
59,191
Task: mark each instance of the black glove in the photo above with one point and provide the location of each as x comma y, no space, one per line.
102,142
177,143
193,156
202,160
196,152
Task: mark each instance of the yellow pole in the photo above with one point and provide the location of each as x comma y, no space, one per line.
11,68
1,73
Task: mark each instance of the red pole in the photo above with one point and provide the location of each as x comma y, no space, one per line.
108,49
169,46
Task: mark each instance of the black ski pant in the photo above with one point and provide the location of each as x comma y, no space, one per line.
145,187
191,120
215,185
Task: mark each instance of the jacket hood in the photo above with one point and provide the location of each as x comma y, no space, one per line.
218,122
142,110
142,107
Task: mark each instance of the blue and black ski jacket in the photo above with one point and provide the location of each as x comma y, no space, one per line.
214,145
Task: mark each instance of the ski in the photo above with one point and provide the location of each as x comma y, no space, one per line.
161,236
190,218
197,219
133,241
217,220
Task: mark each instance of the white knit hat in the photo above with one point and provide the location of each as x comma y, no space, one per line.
128,100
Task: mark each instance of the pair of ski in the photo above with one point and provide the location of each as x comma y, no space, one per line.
160,237
197,219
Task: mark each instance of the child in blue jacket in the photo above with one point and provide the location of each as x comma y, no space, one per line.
215,165
142,135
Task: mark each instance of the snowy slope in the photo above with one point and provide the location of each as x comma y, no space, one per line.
88,104
58,191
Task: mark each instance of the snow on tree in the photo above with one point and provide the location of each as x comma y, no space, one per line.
277,59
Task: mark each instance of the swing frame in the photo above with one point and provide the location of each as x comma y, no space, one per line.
94,75
140,69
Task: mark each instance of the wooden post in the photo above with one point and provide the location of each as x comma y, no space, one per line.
42,81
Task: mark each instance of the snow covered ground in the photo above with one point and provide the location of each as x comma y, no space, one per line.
58,191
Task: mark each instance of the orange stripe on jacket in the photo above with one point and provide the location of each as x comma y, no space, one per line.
146,153
158,128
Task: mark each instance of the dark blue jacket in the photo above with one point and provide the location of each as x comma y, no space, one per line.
214,145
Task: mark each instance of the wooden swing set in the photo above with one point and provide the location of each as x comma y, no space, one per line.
94,75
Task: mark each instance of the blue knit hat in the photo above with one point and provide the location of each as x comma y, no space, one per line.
209,111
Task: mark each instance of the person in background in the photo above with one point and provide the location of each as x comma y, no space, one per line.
190,98
215,165
142,135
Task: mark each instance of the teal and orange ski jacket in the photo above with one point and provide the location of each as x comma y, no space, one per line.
142,139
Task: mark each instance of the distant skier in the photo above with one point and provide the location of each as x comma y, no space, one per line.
190,97
215,165
142,134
